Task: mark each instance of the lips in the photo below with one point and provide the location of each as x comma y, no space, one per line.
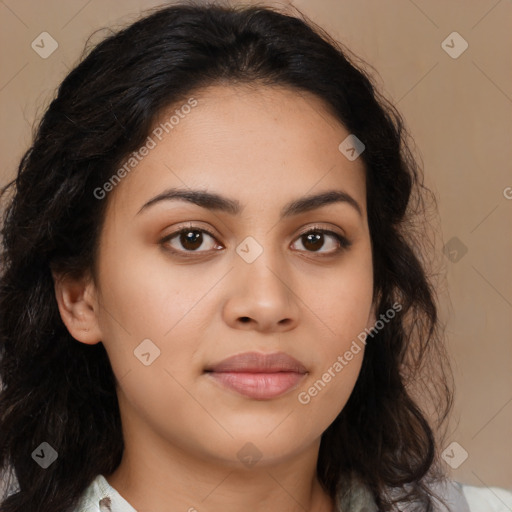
254,362
258,376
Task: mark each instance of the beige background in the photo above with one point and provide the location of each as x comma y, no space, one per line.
458,110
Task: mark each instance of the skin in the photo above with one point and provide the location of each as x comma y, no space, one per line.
263,146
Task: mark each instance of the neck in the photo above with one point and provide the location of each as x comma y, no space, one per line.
156,476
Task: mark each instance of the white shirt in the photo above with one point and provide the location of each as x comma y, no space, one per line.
100,496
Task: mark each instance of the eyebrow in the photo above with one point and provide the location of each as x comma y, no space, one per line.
216,202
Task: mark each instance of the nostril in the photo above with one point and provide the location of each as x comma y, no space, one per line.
245,319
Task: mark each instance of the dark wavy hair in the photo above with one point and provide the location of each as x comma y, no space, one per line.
60,391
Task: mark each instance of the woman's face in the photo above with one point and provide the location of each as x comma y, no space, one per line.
169,307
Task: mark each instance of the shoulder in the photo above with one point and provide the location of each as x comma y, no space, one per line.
356,496
461,497
487,499
100,496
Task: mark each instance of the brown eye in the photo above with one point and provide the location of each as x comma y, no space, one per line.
191,240
315,239
188,239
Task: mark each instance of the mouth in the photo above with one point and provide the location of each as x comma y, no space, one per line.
258,376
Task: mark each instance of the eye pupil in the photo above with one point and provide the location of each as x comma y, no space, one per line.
191,237
313,239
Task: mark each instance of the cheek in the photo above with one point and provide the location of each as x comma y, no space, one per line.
342,304
150,309
342,314
148,296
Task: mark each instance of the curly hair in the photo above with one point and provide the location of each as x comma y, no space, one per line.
59,391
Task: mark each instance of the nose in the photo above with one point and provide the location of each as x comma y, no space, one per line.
261,297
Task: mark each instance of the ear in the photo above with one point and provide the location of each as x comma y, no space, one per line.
78,307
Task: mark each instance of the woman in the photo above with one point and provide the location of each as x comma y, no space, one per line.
211,296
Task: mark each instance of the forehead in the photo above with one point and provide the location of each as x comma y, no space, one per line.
261,145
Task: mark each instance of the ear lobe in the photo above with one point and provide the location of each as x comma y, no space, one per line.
76,298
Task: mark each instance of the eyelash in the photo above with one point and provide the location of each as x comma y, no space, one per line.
343,242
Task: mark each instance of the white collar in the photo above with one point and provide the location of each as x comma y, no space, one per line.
352,496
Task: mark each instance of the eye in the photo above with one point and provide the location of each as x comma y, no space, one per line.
190,238
314,239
